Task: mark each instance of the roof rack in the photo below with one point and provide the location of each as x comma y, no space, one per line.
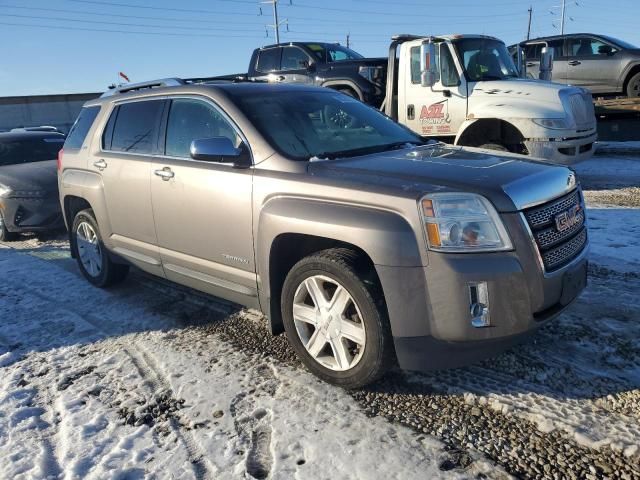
175,82
131,87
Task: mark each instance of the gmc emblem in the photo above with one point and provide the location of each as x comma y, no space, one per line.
567,219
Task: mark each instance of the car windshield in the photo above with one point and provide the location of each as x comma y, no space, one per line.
13,151
332,53
619,43
315,124
485,59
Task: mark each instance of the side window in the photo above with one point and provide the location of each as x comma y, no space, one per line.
191,119
81,127
448,71
556,46
533,51
269,60
107,135
584,47
294,59
135,128
415,65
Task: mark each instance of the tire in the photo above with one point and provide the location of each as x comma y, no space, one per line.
633,86
351,344
6,235
91,254
494,146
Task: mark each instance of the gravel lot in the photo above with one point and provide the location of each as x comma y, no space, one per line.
564,405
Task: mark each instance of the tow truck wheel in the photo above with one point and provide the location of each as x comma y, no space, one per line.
494,146
335,318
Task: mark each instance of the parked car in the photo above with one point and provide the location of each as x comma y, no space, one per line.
322,64
28,183
362,243
602,64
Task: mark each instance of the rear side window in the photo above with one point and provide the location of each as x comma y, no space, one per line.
136,126
81,127
30,150
268,60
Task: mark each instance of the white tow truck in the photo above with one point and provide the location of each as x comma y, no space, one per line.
466,90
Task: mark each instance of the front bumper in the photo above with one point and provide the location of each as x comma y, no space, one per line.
429,307
562,150
31,214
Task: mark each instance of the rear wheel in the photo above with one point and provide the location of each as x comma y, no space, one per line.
633,87
91,254
6,235
333,321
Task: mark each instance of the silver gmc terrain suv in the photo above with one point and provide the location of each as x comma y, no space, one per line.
362,243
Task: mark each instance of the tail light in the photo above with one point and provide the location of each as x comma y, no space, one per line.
60,159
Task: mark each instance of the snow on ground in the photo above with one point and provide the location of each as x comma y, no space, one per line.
104,385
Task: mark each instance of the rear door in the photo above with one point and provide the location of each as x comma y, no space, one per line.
202,212
129,141
268,65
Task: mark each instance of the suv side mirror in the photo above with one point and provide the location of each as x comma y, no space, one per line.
546,64
308,66
605,50
221,150
428,65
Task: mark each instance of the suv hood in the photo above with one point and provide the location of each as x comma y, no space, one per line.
511,182
31,176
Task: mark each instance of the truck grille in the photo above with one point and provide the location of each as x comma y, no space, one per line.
583,110
558,247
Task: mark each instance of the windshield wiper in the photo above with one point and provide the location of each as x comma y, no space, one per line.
354,152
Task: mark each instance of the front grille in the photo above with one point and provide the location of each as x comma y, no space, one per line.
557,248
583,110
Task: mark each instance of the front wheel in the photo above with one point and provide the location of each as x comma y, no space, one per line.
91,254
336,321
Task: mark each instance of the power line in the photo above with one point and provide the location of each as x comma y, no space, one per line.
170,9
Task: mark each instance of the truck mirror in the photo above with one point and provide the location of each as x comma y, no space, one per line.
546,64
428,64
521,64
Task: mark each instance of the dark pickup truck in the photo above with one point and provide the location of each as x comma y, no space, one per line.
322,64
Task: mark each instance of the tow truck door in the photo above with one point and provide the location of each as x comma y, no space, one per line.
431,112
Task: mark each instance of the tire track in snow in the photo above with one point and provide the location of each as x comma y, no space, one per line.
151,372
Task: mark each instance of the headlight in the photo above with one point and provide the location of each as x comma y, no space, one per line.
463,222
373,74
4,191
553,123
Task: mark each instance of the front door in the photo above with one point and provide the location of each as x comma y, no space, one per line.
124,163
592,63
202,210
294,66
432,112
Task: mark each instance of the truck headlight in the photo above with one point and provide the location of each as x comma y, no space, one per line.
553,123
463,222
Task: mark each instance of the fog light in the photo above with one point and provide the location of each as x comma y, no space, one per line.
479,304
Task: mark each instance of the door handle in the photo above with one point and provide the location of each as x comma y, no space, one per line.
573,63
100,164
281,78
165,173
531,64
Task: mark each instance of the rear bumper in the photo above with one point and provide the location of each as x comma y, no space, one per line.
429,307
31,214
562,150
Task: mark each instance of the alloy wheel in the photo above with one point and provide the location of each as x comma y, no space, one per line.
89,249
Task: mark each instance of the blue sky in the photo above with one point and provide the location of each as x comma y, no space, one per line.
69,46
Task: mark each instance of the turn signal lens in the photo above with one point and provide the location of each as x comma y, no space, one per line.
427,208
433,232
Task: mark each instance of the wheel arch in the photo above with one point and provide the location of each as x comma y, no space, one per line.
343,84
491,130
380,237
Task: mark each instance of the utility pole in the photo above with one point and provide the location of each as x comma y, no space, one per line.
276,22
529,28
562,21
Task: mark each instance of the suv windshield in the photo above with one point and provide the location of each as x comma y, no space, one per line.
485,59
302,125
332,53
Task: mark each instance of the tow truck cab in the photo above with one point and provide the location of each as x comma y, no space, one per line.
475,97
